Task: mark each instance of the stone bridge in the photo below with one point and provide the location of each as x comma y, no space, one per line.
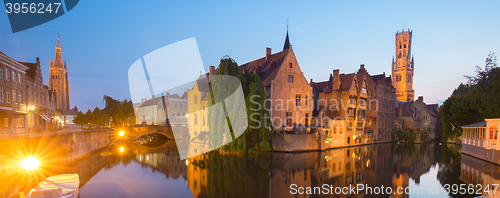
136,132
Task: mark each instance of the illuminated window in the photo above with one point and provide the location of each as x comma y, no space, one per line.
288,118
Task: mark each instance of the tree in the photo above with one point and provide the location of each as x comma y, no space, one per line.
80,119
257,135
474,101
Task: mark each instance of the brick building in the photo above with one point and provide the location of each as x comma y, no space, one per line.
287,90
41,101
418,116
13,103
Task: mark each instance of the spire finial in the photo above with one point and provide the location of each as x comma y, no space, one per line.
287,22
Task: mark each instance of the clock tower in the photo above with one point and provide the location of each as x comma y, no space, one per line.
402,67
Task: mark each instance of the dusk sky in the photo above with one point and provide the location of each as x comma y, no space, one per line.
101,39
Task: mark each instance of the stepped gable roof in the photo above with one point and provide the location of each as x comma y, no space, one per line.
31,71
479,124
346,81
264,68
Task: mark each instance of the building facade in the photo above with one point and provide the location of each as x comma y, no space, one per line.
41,105
152,111
58,79
418,116
13,102
402,67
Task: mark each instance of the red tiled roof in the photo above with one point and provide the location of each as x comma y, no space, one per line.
346,81
264,68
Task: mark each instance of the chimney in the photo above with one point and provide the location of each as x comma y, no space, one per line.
421,99
211,71
268,52
38,60
336,79
362,66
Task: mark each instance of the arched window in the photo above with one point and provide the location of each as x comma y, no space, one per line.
172,114
181,106
348,142
178,114
175,105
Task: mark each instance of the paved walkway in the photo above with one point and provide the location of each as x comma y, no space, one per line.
47,133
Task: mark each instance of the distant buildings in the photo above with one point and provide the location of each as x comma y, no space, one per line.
152,111
418,116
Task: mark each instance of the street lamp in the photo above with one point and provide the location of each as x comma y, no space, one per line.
121,133
30,163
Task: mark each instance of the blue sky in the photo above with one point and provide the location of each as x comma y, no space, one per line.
101,39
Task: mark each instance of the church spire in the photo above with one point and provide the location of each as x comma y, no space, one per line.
58,62
287,41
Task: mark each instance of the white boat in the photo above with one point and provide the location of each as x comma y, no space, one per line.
57,186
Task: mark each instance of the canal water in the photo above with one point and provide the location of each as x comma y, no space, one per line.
153,168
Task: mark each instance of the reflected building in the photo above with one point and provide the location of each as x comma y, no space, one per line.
480,174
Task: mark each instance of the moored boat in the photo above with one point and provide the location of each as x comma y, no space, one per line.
57,186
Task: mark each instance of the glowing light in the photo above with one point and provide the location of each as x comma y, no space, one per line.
187,162
32,107
122,149
121,133
30,163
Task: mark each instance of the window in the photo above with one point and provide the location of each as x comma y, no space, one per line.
1,72
7,74
405,45
307,101
195,133
195,119
178,114
19,78
290,65
20,95
306,120
8,95
288,118
1,94
290,78
181,106
13,95
14,76
203,120
297,100
195,99
493,132
175,105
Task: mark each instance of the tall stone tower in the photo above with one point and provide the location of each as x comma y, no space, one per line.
402,67
58,80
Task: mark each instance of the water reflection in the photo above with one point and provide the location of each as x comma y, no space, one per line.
156,170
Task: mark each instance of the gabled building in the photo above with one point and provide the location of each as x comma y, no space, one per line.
152,111
41,109
345,98
13,103
287,90
418,116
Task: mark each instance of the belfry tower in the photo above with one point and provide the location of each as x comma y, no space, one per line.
58,80
402,67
